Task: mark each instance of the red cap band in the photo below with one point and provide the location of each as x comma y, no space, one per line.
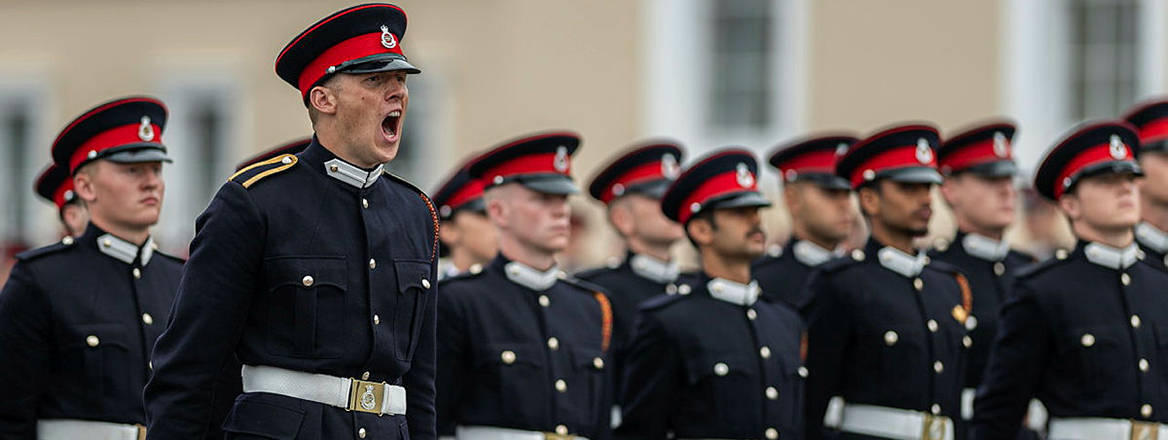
59,195
899,157
641,173
722,184
1094,155
1154,131
530,164
819,161
114,137
472,190
974,154
354,48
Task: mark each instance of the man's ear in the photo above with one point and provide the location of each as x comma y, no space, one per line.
621,217
323,100
792,198
869,201
449,233
701,231
948,189
497,212
1070,205
83,183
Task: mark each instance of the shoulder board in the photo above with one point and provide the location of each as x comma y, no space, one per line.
1037,268
660,301
259,170
429,205
32,254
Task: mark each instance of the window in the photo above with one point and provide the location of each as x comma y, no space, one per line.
1104,57
26,220
740,95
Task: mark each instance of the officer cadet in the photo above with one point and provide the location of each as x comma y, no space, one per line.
1151,122
521,349
822,216
78,318
291,147
886,327
631,187
314,270
55,184
1084,331
712,361
469,240
979,170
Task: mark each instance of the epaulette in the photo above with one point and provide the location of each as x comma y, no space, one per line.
31,254
429,205
660,301
1037,268
259,170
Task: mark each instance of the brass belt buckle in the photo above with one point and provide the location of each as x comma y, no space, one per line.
1144,430
365,396
554,436
934,427
141,432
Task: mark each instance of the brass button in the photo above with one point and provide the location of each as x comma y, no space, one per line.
721,369
1144,365
376,320
561,386
92,340
508,357
918,284
146,318
935,409
365,203
932,324
598,363
361,433
765,352
1135,321
553,343
1087,340
890,338
772,434
107,243
544,301
1125,279
966,341
137,273
333,168
772,393
858,255
751,314
425,284
803,372
561,430
372,263
286,160
970,322
1146,410
683,289
1060,254
307,280
67,240
999,268
365,376
938,367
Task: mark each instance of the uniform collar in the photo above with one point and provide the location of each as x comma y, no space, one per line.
653,269
1152,237
320,158
734,292
1110,257
812,254
897,261
984,247
118,248
528,276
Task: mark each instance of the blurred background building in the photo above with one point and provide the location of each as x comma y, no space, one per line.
709,73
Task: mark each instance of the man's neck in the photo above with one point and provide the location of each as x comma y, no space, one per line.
719,266
519,252
801,232
462,260
1153,213
968,227
638,246
332,142
890,237
131,234
1116,238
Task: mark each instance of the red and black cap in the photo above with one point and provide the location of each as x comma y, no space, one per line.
55,185
903,153
459,193
647,170
1151,121
126,130
725,179
984,150
360,39
541,162
813,160
1095,148
293,147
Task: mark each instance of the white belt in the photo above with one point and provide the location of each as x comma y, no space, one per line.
1095,428
62,429
350,394
496,433
895,423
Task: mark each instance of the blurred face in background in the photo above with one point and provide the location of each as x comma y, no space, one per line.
985,203
1107,202
638,218
826,215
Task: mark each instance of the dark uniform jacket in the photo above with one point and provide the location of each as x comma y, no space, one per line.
311,264
782,275
522,349
1154,243
1085,333
990,272
77,322
886,329
712,362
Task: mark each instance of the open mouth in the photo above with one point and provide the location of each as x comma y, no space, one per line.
391,126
